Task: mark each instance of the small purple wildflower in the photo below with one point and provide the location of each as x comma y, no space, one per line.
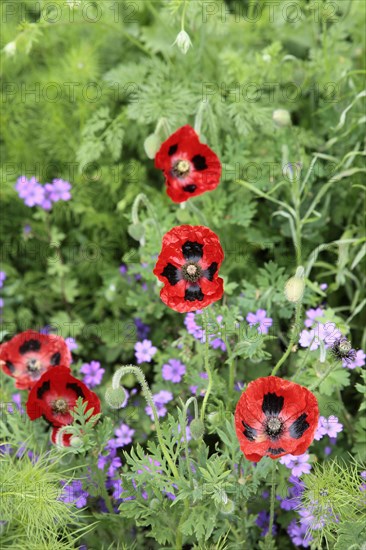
359,360
263,522
160,400
30,190
74,493
71,343
93,373
312,316
192,327
323,286
124,435
123,269
144,351
328,333
58,190
174,371
299,534
142,329
297,464
328,426
2,278
260,318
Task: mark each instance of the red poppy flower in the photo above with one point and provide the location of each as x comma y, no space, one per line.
190,167
55,395
29,354
275,417
189,264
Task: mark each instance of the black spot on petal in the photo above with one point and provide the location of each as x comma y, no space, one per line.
190,188
199,162
210,271
276,451
76,388
173,149
192,293
55,359
249,432
10,366
298,427
272,404
172,273
30,345
192,251
45,387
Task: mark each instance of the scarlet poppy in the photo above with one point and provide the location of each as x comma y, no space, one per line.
189,264
60,439
190,167
55,395
30,354
275,417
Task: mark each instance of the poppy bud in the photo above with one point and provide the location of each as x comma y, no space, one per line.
294,288
152,145
197,428
227,507
10,48
183,41
281,118
76,441
116,397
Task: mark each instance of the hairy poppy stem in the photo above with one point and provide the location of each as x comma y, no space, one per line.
207,369
316,384
116,380
292,339
272,502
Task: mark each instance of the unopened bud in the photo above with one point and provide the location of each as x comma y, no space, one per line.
76,441
10,48
152,145
183,41
281,117
197,428
116,397
228,507
294,288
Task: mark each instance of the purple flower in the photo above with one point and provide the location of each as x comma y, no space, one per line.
263,522
359,361
192,327
294,493
174,370
58,190
93,373
312,316
363,474
2,278
328,333
124,435
1,303
74,493
71,343
144,351
298,534
116,485
297,464
123,269
160,400
31,191
259,318
323,286
142,329
328,426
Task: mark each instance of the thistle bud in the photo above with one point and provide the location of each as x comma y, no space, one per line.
197,428
281,118
183,42
294,288
116,397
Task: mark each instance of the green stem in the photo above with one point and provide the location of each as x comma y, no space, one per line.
272,504
231,367
207,368
316,384
183,15
185,409
292,339
149,399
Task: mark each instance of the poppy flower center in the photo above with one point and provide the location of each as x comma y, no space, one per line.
273,426
181,168
191,272
60,406
34,365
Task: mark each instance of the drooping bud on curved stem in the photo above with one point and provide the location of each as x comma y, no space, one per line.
295,286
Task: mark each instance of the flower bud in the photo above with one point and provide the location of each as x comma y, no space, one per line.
227,507
116,397
294,288
152,145
76,441
183,41
281,118
10,48
197,428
